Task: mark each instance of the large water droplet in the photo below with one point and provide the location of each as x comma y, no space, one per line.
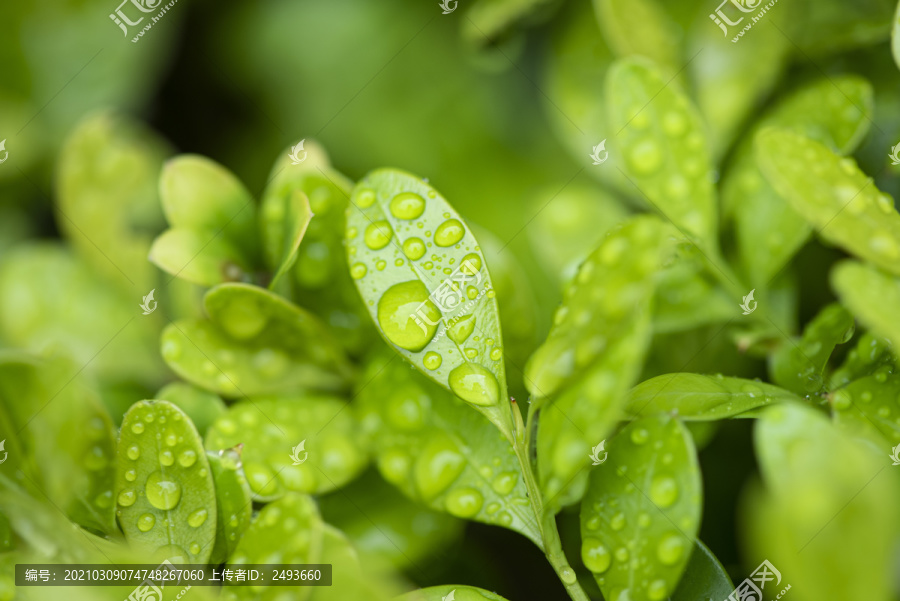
137,427
476,384
187,458
399,309
133,452
504,483
449,233
166,458
414,248
437,467
358,271
663,491
378,234
162,491
670,549
595,555
196,519
462,329
464,502
407,205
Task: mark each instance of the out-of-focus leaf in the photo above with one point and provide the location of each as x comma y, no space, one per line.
438,452
213,221
834,111
869,407
799,365
593,354
827,519
687,296
820,27
350,580
700,397
870,353
284,218
390,526
833,195
641,512
234,504
640,27
895,36
108,196
164,492
255,343
203,407
443,592
427,287
307,444
871,295
704,578
488,21
661,136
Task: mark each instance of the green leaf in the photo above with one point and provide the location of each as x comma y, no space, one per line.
489,21
799,365
687,295
641,513
318,430
871,295
164,489
283,219
255,343
390,526
704,578
234,504
762,218
827,519
201,406
211,213
870,405
701,398
833,195
895,36
661,136
350,580
642,28
426,285
824,27
438,452
107,195
442,593
870,353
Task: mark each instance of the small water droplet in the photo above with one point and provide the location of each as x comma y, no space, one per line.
358,271
407,205
127,498
162,491
663,491
449,233
146,522
639,436
187,458
137,427
475,384
464,502
378,234
196,519
595,555
432,360
133,452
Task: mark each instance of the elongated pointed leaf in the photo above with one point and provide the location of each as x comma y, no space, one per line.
700,397
641,513
234,503
704,578
872,295
427,287
283,219
833,195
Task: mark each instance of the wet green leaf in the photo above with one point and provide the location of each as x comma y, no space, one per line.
661,136
107,196
688,296
834,111
799,364
213,221
704,578
640,27
700,397
203,407
827,518
234,504
426,285
833,195
870,353
438,452
350,580
869,407
164,492
317,431
871,295
641,512
283,219
442,593
255,343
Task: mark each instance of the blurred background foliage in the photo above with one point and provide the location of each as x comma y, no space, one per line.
498,104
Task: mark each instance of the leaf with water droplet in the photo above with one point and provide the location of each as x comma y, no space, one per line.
439,452
870,353
234,503
661,136
871,295
825,495
270,428
433,293
166,505
833,195
641,512
641,28
835,111
202,406
213,234
254,343
284,218
869,408
701,397
451,592
704,577
798,365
